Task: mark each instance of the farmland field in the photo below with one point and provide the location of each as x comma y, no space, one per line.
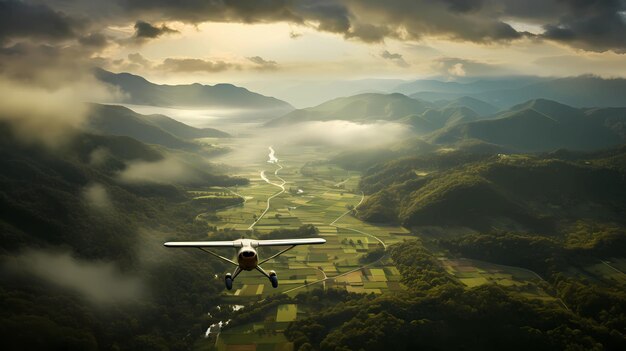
326,196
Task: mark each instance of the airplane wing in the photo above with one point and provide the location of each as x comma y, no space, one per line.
200,244
244,242
291,242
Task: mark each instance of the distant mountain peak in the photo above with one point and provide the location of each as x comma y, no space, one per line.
224,95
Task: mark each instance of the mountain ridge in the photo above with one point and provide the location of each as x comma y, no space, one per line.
140,91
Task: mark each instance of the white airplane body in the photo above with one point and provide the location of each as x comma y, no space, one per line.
247,256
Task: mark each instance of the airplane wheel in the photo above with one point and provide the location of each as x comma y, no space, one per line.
274,280
229,282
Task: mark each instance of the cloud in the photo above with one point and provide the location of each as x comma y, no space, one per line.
19,19
596,25
97,196
99,156
98,281
166,171
194,65
46,115
262,64
94,40
457,70
591,25
145,30
342,133
294,35
138,59
369,33
395,58
458,67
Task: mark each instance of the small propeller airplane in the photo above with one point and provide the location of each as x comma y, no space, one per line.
247,256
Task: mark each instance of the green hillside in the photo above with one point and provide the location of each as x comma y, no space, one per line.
41,190
499,191
358,108
537,125
65,210
152,129
481,107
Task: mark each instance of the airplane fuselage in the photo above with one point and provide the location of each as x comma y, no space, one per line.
247,258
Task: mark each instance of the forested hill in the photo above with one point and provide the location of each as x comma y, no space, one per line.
360,108
71,216
152,129
437,313
505,191
542,125
45,193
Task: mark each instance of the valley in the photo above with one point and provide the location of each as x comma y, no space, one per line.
355,258
434,213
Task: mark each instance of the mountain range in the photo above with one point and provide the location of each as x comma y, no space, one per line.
535,125
137,90
582,91
367,107
542,125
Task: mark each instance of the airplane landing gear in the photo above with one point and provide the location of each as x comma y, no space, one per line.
229,281
273,279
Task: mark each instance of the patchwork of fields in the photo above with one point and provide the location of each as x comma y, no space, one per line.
322,195
326,196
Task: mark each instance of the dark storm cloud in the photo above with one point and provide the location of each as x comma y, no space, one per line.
196,11
262,64
414,20
464,5
597,25
95,40
194,65
591,25
368,33
23,20
145,30
331,16
49,65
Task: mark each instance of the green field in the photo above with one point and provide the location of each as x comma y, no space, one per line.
474,273
323,195
315,194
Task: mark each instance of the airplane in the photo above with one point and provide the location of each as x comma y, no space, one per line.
247,256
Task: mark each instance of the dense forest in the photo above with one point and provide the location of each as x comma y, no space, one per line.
508,191
437,313
66,216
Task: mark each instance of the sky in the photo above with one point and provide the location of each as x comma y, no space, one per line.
184,41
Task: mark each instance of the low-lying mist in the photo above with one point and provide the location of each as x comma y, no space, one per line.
99,282
47,115
335,136
168,170
342,134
